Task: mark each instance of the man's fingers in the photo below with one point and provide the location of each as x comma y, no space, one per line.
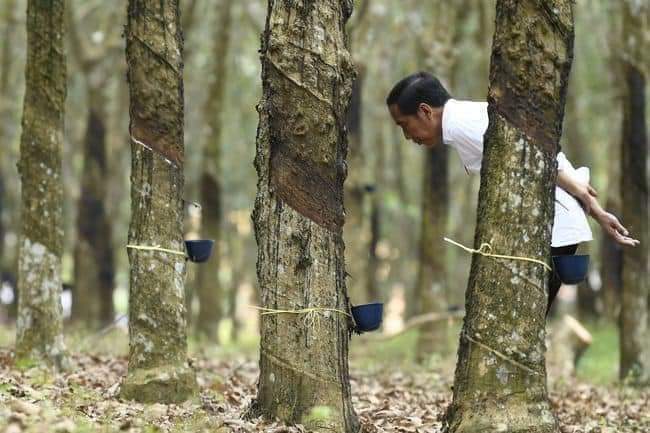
619,227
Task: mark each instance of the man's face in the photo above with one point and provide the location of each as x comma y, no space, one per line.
424,127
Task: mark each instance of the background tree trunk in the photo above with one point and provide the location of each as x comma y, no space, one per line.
355,231
634,326
298,215
94,268
500,381
208,286
39,324
158,370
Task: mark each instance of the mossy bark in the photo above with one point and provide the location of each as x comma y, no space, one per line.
635,296
500,382
158,369
208,287
39,323
298,215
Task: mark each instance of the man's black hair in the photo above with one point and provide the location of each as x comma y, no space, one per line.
411,91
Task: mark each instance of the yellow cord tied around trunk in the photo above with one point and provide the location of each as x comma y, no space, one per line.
155,248
311,319
486,250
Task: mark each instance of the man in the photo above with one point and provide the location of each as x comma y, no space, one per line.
427,114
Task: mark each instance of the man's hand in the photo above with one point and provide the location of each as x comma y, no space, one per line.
615,229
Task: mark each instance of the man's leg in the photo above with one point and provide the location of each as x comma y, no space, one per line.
554,282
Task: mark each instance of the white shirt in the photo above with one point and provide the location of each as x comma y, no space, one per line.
463,125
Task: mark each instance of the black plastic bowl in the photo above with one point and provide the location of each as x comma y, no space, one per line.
571,269
199,250
368,316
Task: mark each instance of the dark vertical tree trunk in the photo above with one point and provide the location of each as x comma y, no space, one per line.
94,269
372,285
298,216
611,258
634,319
431,285
209,289
355,231
39,324
431,280
158,369
500,382
7,259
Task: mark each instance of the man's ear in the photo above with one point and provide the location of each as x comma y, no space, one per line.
426,110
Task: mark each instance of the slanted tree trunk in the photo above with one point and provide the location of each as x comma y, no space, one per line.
298,215
208,287
158,369
39,325
500,382
634,326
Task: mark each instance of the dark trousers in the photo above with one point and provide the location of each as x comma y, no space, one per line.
554,282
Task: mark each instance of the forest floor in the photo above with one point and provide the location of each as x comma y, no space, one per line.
390,392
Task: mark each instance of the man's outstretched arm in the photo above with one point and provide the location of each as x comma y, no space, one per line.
587,196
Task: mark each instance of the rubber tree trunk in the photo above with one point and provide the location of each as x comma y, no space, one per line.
634,326
209,289
373,289
500,382
39,324
355,231
94,265
8,258
611,256
94,269
431,284
5,66
431,279
158,369
298,215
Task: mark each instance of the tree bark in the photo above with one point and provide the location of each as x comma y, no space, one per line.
298,216
208,287
39,324
500,382
158,369
634,318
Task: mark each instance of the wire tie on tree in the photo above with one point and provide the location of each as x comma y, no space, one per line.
486,250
